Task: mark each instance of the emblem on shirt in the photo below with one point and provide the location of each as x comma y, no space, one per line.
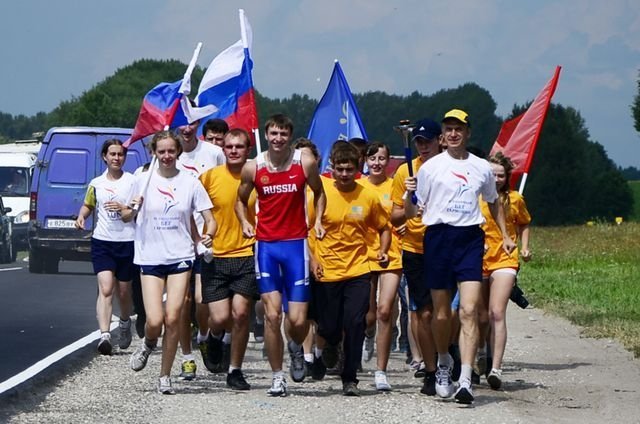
169,200
264,179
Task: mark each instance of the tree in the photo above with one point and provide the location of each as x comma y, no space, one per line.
635,107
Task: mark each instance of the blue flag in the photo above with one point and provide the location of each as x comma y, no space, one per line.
336,116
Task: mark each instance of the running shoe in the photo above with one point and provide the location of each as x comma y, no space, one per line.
188,370
394,338
318,369
429,386
278,386
367,351
214,350
124,340
202,347
258,332
226,358
104,344
164,386
421,372
236,381
296,367
382,384
464,394
140,357
444,385
495,378
480,363
350,388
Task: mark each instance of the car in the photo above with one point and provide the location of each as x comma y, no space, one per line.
7,253
67,161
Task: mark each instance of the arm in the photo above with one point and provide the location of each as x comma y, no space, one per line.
133,209
85,211
523,231
497,213
319,199
385,243
211,227
242,203
410,210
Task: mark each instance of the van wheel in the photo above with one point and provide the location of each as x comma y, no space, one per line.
36,261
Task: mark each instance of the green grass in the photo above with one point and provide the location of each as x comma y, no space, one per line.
635,188
590,275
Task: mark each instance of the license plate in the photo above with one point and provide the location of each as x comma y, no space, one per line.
60,223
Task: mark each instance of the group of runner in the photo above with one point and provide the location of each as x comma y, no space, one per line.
321,251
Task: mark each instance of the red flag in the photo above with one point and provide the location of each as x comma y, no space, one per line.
519,136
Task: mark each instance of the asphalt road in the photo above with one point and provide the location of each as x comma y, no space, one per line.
41,313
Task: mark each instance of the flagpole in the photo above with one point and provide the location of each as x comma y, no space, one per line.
523,181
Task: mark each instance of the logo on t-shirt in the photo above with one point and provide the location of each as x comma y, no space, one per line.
169,200
459,203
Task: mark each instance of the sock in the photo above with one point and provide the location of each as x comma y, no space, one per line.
150,344
188,357
226,339
278,373
308,357
105,335
465,372
200,338
232,368
445,359
318,352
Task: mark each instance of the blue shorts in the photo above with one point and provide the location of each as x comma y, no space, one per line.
283,266
162,271
115,256
452,255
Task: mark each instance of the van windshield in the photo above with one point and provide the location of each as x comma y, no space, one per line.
14,181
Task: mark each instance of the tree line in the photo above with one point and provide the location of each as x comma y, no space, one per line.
572,180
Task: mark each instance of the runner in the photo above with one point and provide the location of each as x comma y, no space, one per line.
229,278
111,242
279,176
164,249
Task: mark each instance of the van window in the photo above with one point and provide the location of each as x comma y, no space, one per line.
14,181
69,167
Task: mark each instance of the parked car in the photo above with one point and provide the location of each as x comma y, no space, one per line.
68,160
7,254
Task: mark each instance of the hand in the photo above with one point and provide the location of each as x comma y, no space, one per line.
508,245
316,268
79,223
206,240
526,255
247,230
401,230
486,247
136,202
383,259
113,206
320,231
411,184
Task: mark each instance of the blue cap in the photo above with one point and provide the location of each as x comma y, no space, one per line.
426,128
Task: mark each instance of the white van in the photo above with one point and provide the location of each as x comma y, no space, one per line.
17,161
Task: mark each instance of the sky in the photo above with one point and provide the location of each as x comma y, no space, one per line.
54,50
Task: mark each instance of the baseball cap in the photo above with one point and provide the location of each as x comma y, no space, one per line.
426,128
457,114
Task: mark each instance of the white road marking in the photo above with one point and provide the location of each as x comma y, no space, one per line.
11,269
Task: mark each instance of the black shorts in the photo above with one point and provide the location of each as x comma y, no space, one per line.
413,268
115,256
224,277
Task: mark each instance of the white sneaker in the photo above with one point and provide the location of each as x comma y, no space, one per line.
495,378
164,386
464,394
278,386
367,350
444,385
382,384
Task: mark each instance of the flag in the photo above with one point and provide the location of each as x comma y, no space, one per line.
336,116
228,84
519,136
167,106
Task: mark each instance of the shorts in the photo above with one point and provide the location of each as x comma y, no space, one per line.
162,271
224,277
452,255
116,256
413,268
283,266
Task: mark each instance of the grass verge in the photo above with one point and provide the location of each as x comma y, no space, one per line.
590,275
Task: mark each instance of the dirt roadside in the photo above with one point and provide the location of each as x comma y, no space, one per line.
551,374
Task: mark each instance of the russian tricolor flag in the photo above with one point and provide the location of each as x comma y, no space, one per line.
228,84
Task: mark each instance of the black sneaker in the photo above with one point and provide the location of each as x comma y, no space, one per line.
236,381
203,348
318,369
330,356
214,350
475,378
429,386
296,367
350,388
104,345
226,357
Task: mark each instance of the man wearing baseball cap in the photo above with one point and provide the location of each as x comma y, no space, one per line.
425,135
448,188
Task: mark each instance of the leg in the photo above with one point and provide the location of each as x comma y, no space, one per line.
241,307
500,285
389,282
470,294
177,287
202,310
440,323
104,304
125,297
355,304
273,336
184,329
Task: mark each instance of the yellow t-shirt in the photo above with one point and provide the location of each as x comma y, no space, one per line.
222,187
343,251
383,191
495,257
413,238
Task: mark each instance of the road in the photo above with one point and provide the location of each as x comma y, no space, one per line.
39,313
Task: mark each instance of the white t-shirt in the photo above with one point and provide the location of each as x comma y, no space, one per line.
163,225
448,189
198,161
109,225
